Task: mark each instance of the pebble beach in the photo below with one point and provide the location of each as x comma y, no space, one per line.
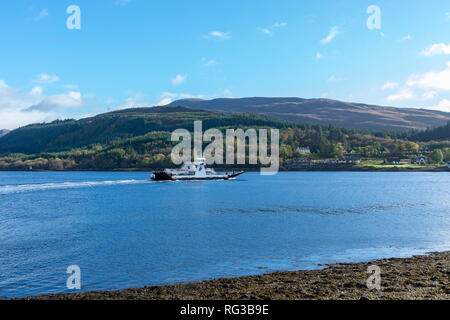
424,277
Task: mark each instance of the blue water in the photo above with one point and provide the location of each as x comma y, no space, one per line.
124,231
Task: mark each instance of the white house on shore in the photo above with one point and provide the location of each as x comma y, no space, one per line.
418,160
304,150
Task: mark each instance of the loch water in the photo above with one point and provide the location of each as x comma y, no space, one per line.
123,230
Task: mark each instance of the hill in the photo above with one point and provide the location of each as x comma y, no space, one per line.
109,127
140,138
326,111
4,132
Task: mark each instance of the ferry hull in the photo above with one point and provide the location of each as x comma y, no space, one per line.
163,176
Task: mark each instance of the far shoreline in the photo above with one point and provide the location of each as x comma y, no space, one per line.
305,169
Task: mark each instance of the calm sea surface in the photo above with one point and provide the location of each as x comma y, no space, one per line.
124,231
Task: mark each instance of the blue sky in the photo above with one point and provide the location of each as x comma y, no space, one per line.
144,52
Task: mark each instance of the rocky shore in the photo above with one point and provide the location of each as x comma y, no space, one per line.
419,277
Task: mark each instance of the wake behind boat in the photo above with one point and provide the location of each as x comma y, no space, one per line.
193,171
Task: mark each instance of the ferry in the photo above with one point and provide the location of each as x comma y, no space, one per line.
193,171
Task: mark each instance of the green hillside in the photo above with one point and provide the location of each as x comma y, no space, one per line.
436,134
140,138
107,128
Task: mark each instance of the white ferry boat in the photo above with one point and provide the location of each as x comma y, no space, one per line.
193,171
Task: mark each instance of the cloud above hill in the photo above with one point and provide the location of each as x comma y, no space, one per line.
18,107
46,78
443,105
178,79
59,101
432,80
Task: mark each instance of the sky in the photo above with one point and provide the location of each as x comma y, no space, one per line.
55,64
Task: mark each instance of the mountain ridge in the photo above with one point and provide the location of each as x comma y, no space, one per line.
63,135
326,111
4,132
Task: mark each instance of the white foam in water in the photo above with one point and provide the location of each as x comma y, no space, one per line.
7,189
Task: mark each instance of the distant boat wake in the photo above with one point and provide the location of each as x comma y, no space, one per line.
8,189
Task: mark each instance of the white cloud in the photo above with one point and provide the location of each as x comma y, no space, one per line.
134,102
13,104
208,62
179,79
267,31
332,34
429,95
59,101
407,37
270,30
403,94
280,25
443,105
333,78
217,35
389,85
435,49
165,101
36,91
43,13
11,99
318,55
439,81
447,14
46,78
19,107
168,97
12,119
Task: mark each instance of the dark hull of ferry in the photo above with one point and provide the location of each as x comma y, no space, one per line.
164,176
